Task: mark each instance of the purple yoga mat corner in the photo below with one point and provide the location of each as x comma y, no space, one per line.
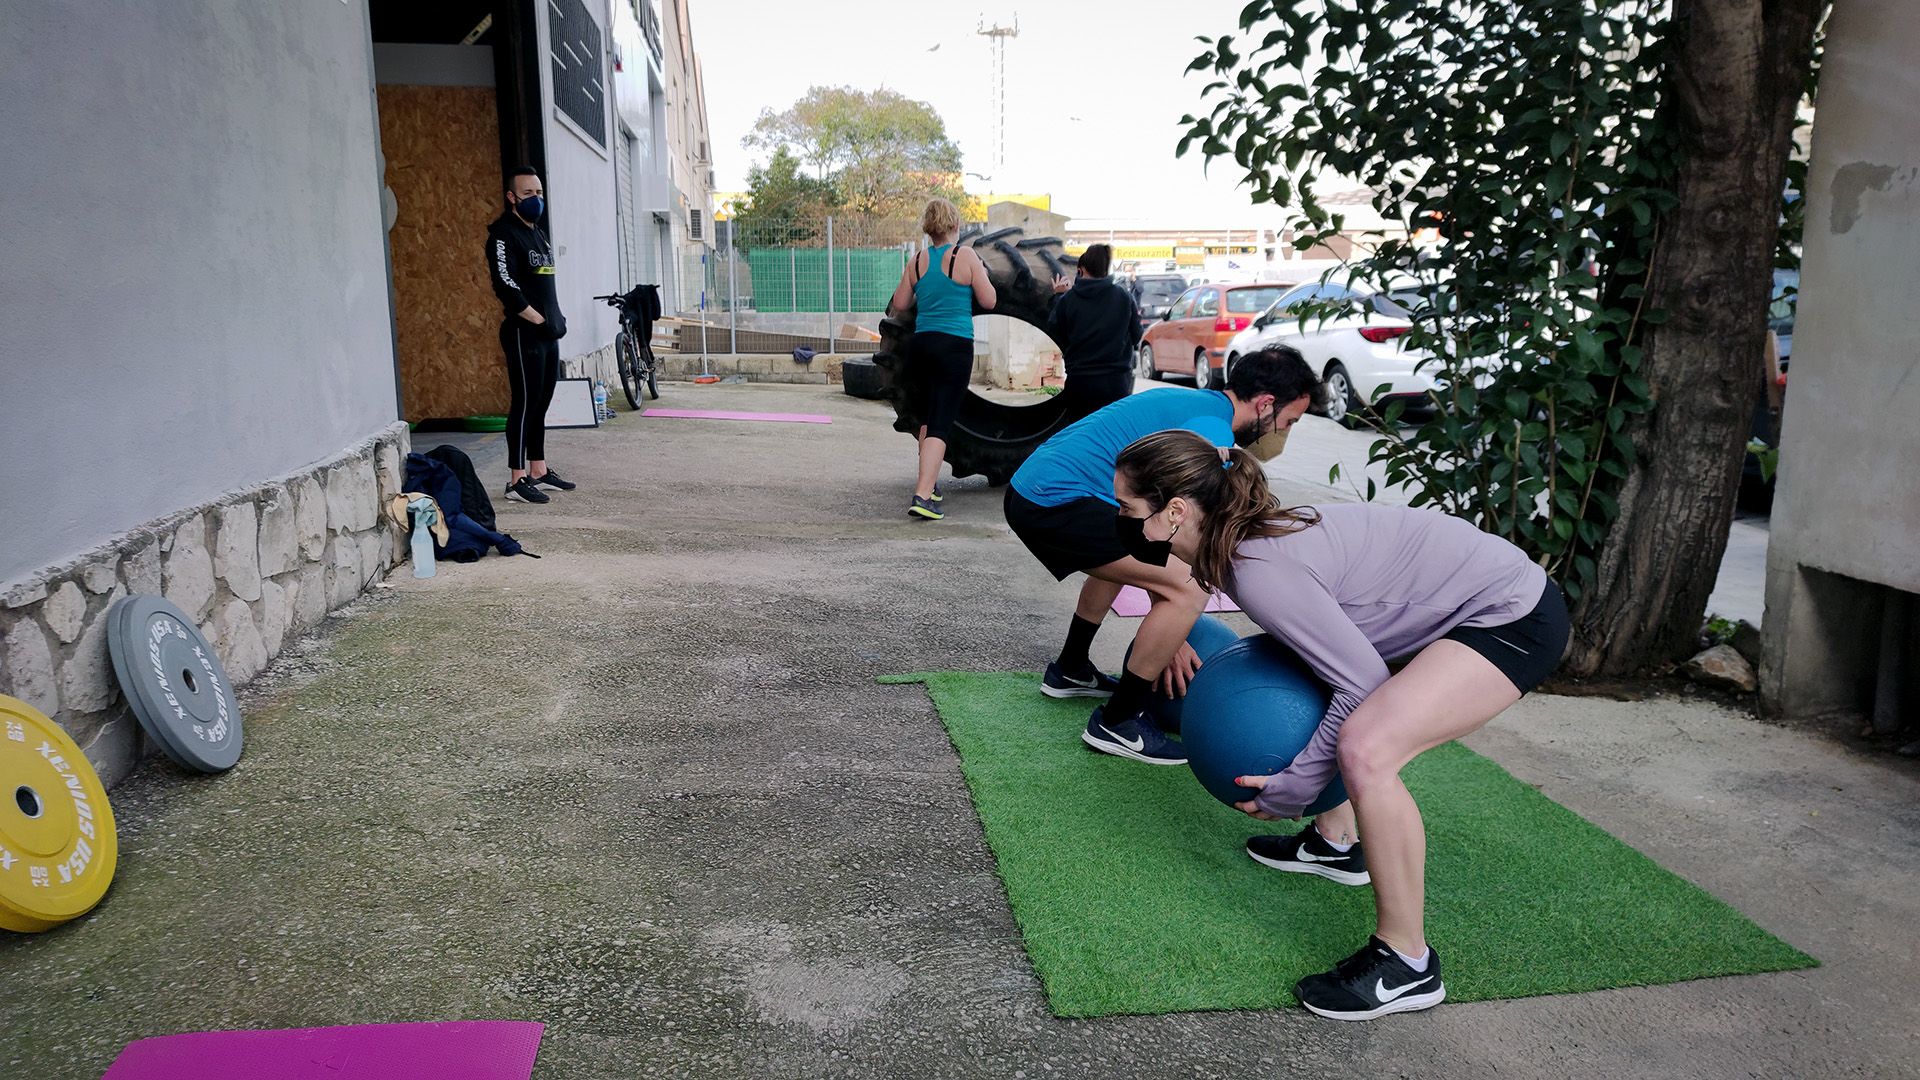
729,414
1133,603
453,1050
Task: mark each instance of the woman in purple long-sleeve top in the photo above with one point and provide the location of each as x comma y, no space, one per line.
1349,587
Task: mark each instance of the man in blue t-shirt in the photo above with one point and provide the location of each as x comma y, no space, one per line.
1061,505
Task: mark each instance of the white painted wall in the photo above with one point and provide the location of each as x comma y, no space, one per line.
581,205
1845,540
195,284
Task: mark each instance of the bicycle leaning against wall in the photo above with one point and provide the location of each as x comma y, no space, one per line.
638,307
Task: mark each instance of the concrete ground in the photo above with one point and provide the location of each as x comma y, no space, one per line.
646,790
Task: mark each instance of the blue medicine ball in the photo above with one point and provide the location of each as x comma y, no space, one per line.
1250,710
1208,636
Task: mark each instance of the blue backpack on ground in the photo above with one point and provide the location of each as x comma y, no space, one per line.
467,539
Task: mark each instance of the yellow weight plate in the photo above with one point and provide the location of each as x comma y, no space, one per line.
57,846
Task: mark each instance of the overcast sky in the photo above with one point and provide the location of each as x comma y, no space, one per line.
1094,91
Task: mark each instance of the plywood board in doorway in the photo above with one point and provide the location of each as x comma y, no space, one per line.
442,145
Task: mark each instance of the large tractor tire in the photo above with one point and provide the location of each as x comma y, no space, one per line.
989,439
861,377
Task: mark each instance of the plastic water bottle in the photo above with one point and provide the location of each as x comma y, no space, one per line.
423,519
600,409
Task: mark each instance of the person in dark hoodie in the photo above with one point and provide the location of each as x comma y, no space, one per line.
1098,329
520,265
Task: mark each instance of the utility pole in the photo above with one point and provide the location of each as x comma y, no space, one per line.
998,35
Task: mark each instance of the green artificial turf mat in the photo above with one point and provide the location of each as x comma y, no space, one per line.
1134,894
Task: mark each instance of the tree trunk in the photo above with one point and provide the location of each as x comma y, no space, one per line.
1738,73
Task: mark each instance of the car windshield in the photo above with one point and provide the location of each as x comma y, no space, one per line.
1159,290
1248,301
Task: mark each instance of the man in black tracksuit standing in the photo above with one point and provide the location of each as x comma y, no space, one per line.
521,266
1098,329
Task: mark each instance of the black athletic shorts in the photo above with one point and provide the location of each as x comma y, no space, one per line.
943,366
1527,649
1071,538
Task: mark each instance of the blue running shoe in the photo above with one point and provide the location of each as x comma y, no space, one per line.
1091,682
1135,738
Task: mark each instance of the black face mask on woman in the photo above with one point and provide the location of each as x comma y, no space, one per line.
1133,540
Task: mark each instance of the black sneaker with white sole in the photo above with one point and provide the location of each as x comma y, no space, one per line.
1371,983
554,480
1135,738
526,491
1307,852
1088,682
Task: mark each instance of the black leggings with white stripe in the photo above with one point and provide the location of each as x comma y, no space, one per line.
533,366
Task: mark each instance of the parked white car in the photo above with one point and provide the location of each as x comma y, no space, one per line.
1354,353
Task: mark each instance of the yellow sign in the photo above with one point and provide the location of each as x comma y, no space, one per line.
1130,251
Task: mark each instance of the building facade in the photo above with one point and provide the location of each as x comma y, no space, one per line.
258,246
1842,623
689,164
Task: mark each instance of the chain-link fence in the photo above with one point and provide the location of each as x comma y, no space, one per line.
822,283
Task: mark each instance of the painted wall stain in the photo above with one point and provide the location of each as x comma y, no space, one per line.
1851,182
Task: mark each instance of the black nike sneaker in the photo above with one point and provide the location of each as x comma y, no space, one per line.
1307,852
1135,738
1372,983
526,491
1089,682
553,480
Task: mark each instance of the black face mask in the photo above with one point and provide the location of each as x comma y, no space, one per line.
1133,540
1244,439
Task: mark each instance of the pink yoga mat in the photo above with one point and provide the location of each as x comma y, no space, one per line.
1133,603
725,414
456,1050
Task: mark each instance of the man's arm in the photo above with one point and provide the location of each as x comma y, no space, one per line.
500,275
1060,315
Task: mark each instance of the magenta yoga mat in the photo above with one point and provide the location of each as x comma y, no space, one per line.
728,414
453,1050
1133,603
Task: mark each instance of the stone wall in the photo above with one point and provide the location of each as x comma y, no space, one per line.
600,364
253,569
775,368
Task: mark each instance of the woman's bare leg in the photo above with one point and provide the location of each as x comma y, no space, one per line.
932,452
1447,691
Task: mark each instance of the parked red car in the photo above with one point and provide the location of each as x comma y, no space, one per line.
1191,338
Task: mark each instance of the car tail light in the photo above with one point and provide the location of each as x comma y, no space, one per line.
1231,324
1377,334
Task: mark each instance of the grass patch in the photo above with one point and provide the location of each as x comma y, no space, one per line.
1134,895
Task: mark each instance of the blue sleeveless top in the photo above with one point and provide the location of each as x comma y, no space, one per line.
941,304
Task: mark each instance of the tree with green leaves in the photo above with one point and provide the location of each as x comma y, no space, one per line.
884,153
784,206
1605,178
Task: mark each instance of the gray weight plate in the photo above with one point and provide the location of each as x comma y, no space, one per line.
174,683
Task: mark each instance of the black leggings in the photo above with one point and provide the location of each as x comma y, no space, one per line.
1086,394
533,366
943,366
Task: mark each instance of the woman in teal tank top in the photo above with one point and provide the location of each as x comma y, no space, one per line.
940,286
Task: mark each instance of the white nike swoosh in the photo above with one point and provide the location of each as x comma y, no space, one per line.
1380,988
1135,745
1307,856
